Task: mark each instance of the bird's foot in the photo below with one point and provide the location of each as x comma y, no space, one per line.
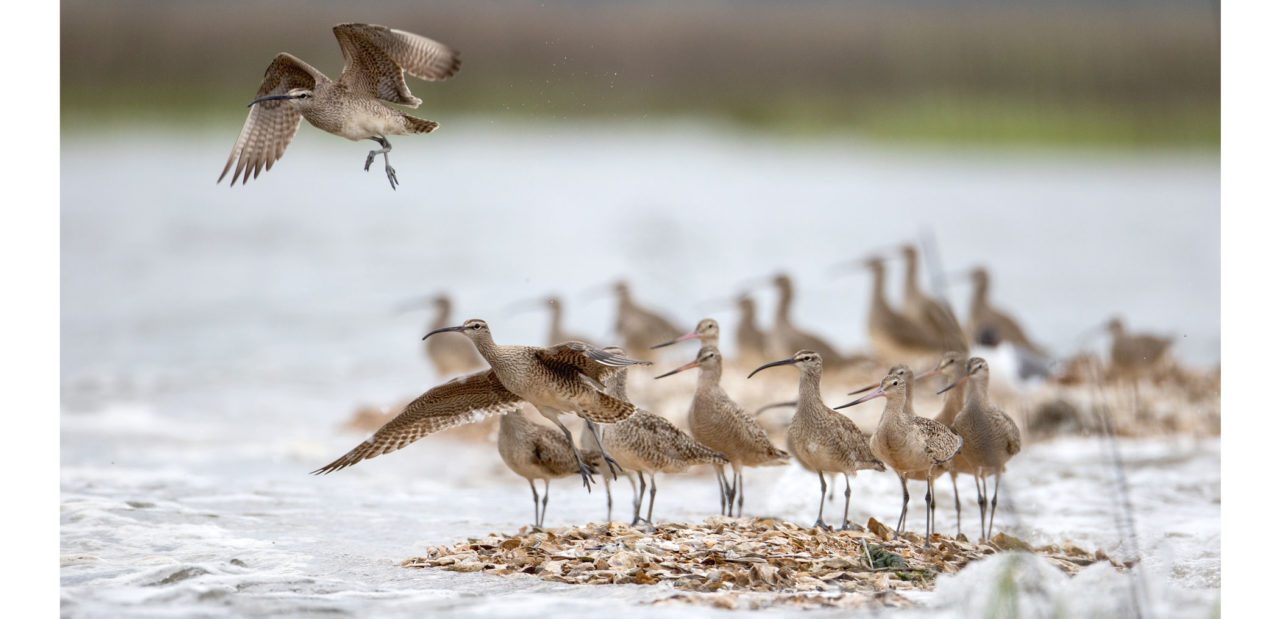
614,467
368,161
585,471
848,527
819,524
391,176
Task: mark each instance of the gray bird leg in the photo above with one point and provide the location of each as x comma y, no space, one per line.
991,523
635,520
546,494
822,502
613,465
653,492
537,519
583,469
955,489
906,498
386,148
848,492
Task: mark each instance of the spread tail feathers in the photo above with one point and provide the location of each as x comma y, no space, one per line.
418,125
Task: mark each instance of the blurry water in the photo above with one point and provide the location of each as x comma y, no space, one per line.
213,338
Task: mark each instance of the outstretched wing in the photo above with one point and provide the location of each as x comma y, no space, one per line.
377,58
271,124
460,401
587,360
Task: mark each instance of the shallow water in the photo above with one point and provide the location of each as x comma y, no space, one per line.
214,339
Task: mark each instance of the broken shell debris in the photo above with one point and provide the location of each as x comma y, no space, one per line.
740,562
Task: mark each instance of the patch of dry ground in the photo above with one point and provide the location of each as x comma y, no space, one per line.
739,563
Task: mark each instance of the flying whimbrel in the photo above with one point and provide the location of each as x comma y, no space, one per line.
451,354
707,332
716,421
989,326
648,443
638,326
563,378
534,452
933,317
376,59
990,437
914,447
823,440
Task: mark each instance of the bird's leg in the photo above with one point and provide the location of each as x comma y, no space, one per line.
847,493
635,520
832,496
738,488
928,506
982,505
386,148
724,486
613,465
546,494
537,520
653,492
583,469
995,496
822,502
955,490
608,495
906,497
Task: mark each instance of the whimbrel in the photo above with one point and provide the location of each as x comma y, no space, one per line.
990,438
989,326
648,443
562,378
707,332
716,421
933,317
376,59
450,354
638,326
786,337
536,452
821,439
1133,354
555,331
914,447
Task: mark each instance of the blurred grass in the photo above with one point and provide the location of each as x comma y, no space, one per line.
1129,73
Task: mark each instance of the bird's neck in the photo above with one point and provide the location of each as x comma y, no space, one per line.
877,289
976,393
952,404
557,324
810,387
487,348
783,314
709,376
912,284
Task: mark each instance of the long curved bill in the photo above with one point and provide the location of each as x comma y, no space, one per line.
269,98
954,385
688,366
773,364
442,330
870,396
692,335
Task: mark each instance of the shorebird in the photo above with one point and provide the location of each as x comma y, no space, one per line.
562,378
931,316
707,332
648,443
893,335
750,340
555,332
452,354
822,440
534,452
638,326
1133,354
354,107
914,447
716,421
990,439
787,337
989,326
952,368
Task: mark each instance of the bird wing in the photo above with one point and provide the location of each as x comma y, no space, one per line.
377,58
941,442
460,401
585,359
271,125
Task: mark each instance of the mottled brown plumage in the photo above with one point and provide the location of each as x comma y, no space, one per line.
990,436
822,440
534,452
376,58
716,421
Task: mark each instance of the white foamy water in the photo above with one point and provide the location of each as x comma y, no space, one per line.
214,339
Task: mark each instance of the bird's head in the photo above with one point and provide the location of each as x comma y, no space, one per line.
707,357
474,329
301,98
806,360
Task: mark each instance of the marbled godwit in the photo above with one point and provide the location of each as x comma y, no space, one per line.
1133,354
707,332
821,439
451,354
952,368
786,337
563,378
555,331
893,335
914,447
990,437
648,443
638,326
535,452
934,318
376,58
716,421
989,326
